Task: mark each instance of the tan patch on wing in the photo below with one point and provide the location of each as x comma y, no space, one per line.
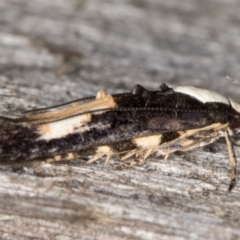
45,129
146,146
64,127
101,95
149,141
102,101
100,152
57,158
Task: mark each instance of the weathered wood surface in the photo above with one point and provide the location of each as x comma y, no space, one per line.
55,51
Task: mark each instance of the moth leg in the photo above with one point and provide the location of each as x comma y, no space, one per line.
149,152
129,154
100,152
201,142
95,157
188,142
141,153
128,165
108,159
193,138
232,159
166,156
166,149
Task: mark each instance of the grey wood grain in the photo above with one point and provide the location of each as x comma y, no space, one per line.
56,51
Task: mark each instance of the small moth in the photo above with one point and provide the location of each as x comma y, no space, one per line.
133,124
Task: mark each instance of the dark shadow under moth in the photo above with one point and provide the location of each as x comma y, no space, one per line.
135,124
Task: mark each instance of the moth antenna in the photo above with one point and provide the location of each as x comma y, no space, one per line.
233,80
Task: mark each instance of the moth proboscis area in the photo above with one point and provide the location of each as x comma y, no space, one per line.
134,124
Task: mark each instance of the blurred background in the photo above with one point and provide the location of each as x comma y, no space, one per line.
54,51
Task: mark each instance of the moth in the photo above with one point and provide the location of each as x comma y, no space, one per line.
135,124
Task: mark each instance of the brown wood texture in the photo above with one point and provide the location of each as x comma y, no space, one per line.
56,51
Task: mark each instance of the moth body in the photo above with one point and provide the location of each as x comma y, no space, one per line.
134,124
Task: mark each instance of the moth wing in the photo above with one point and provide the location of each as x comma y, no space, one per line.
102,101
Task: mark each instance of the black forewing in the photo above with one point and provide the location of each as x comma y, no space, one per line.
157,112
138,114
